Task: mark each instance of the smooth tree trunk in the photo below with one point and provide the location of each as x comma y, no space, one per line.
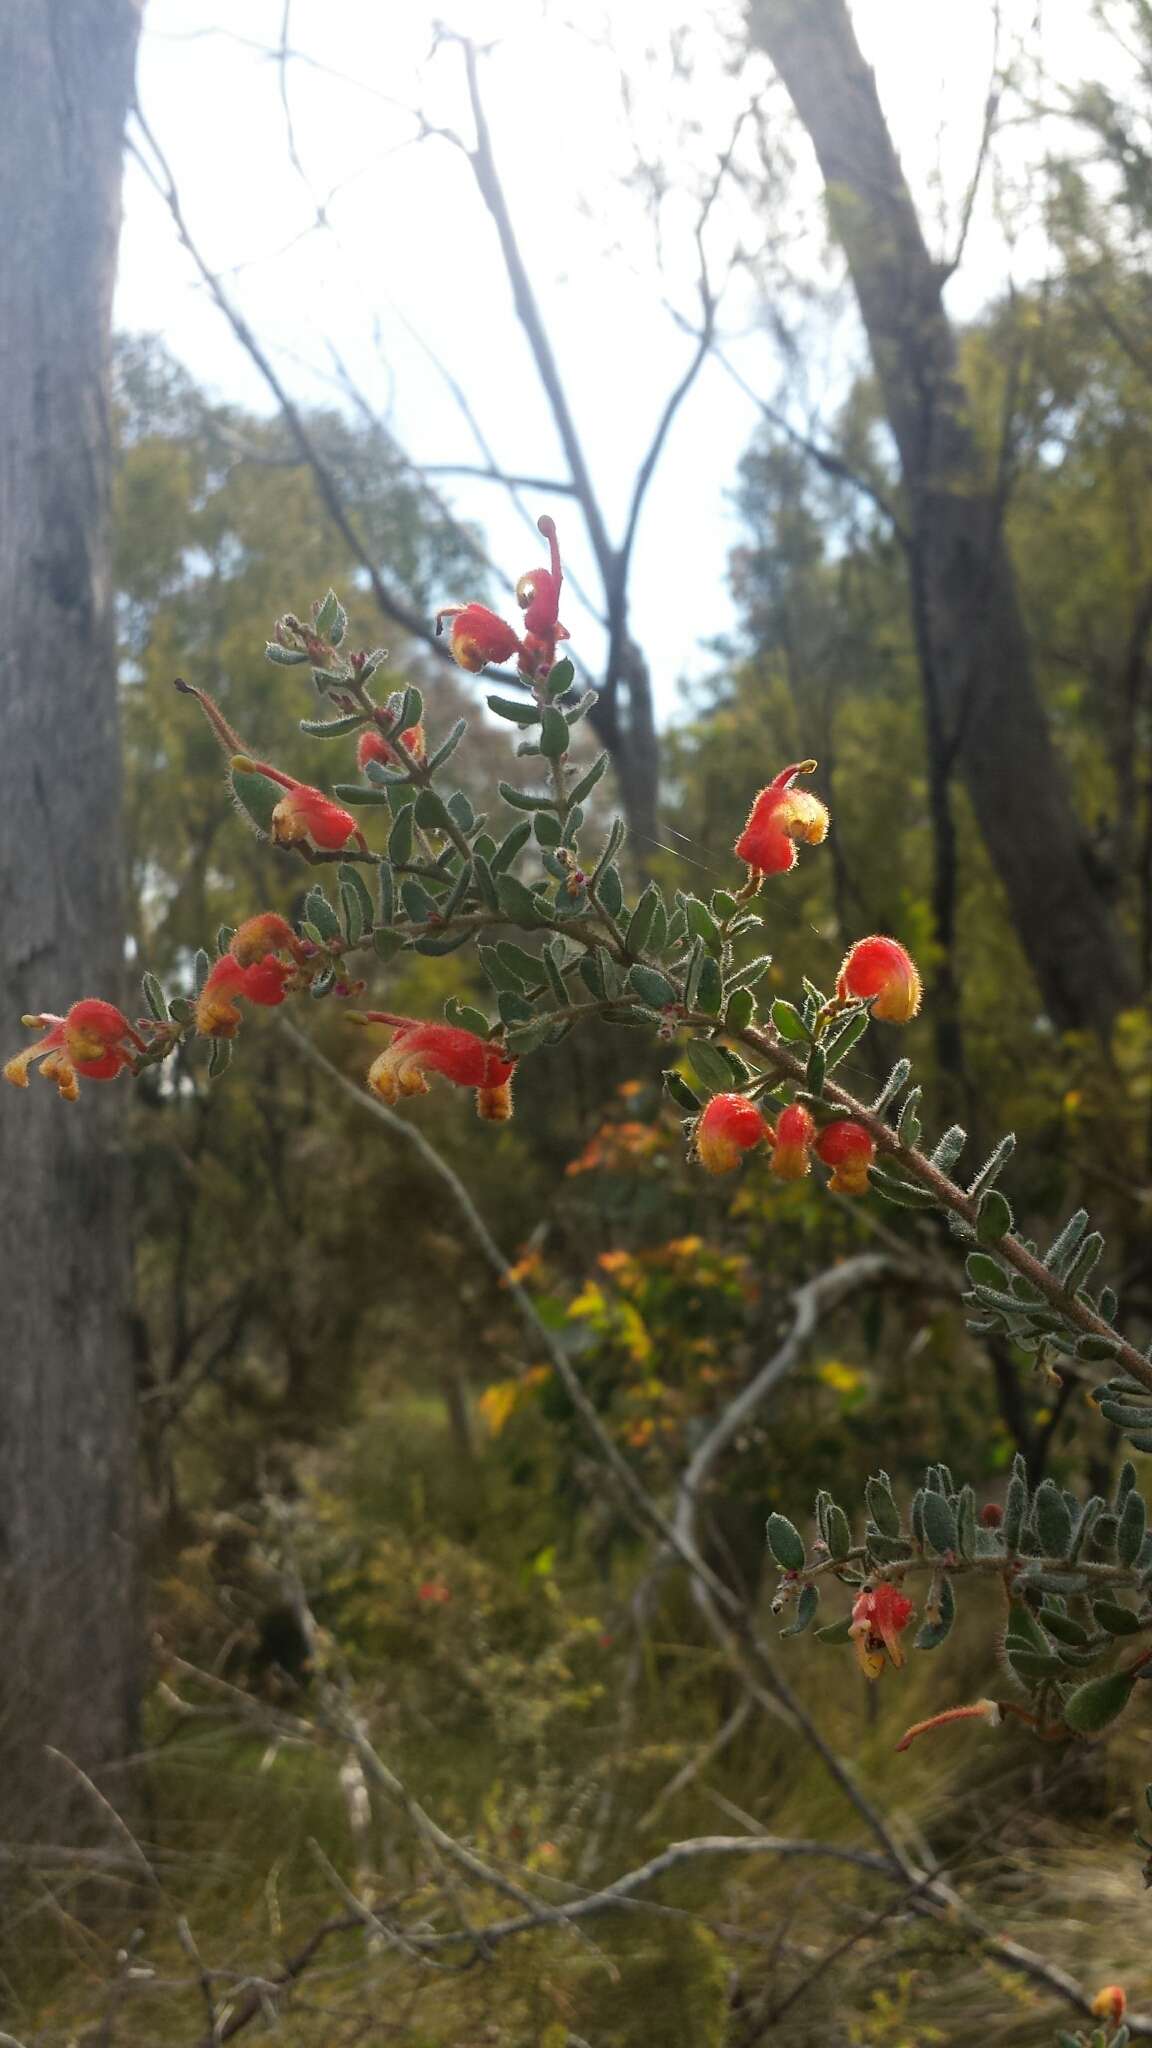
984,712
68,1679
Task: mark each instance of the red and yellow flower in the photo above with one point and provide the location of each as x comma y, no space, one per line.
792,1143
93,1040
304,816
1110,2004
419,1048
253,968
879,969
780,816
729,1126
879,1617
849,1150
479,636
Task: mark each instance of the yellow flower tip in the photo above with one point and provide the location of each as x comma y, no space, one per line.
803,816
59,1069
392,1076
717,1154
494,1105
790,1162
1110,2004
382,1079
16,1069
243,766
851,1178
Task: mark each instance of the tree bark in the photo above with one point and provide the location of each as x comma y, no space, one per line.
974,649
67,1435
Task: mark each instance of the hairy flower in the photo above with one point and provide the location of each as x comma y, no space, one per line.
1110,2004
880,969
372,746
252,968
94,1039
263,934
792,1145
780,816
728,1127
849,1150
879,1617
479,636
419,1048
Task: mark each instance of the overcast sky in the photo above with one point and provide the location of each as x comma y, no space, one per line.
410,252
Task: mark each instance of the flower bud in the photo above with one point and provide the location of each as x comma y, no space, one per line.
879,969
795,1132
728,1127
372,746
1110,2004
849,1150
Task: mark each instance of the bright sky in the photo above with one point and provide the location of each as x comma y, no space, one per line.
411,255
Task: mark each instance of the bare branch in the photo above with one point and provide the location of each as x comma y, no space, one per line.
390,603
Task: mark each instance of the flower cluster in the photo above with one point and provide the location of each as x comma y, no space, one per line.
93,1040
648,963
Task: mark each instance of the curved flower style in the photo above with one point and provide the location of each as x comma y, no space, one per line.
372,746
94,1039
849,1150
419,1048
881,970
879,1617
792,1147
780,816
250,968
729,1126
479,636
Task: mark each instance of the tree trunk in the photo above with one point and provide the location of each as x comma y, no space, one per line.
67,1436
973,644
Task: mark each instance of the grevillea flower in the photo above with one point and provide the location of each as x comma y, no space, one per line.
880,968
849,1150
792,1146
372,746
1110,2004
879,1617
729,1126
419,1048
779,817
304,816
94,1039
479,636
251,968
538,595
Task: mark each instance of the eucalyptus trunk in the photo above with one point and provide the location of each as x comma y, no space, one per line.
67,1436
